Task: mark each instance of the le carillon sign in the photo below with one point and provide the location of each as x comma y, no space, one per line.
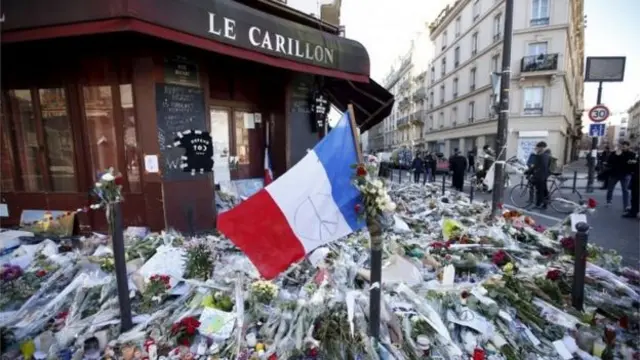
223,21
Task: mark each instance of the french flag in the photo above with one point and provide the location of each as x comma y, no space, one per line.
268,174
310,205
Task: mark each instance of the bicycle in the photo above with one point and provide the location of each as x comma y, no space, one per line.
561,201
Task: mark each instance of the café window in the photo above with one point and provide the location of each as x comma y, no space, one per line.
103,127
42,138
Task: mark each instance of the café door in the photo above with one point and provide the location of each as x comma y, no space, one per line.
236,136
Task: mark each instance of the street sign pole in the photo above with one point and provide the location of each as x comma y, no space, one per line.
594,149
503,114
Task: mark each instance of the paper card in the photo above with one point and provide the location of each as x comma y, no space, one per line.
151,164
318,256
167,260
249,121
577,218
4,210
449,275
562,350
216,324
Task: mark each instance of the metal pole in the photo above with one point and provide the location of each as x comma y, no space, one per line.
594,149
117,237
375,232
579,265
503,116
575,180
444,177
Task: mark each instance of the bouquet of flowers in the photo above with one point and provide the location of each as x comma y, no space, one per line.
375,198
264,292
184,331
199,259
155,291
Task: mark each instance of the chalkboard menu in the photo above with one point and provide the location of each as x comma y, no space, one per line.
178,108
300,117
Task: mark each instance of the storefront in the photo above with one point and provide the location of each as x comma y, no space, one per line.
109,83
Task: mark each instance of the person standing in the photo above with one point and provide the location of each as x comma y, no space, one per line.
471,158
621,165
433,163
457,166
603,167
540,173
635,192
418,167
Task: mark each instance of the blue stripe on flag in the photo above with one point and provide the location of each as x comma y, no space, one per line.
337,152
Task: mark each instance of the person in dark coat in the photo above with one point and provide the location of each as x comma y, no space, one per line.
418,168
603,167
622,164
635,192
471,157
457,166
433,163
540,173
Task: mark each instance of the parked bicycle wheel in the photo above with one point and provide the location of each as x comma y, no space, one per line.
522,195
563,200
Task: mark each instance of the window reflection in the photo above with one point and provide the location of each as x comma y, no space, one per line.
21,107
98,109
131,152
6,153
58,139
242,137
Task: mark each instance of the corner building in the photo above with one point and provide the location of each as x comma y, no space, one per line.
547,69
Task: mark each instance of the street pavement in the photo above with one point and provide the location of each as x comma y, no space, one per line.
608,228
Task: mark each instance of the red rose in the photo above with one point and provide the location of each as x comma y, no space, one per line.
592,203
312,352
272,357
464,294
185,341
361,171
568,243
499,258
554,274
119,180
41,273
357,208
624,322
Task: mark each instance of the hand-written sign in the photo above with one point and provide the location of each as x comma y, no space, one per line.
179,108
198,157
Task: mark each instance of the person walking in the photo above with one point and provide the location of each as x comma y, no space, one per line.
457,166
603,167
621,164
471,158
540,173
635,192
418,167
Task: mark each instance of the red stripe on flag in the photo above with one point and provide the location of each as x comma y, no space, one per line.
267,177
259,228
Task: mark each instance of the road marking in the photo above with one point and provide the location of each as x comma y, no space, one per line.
533,213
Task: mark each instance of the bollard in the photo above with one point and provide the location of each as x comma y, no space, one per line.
444,177
471,189
117,237
575,180
580,265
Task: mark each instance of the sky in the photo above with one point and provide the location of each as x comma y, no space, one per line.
386,28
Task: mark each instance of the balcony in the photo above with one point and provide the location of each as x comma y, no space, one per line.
539,21
404,86
417,117
404,103
533,109
420,94
403,122
539,63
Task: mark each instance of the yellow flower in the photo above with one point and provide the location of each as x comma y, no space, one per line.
508,268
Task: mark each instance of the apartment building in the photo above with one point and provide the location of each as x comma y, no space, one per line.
407,82
546,76
634,124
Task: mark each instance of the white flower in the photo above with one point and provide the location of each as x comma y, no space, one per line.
377,184
98,184
107,177
95,206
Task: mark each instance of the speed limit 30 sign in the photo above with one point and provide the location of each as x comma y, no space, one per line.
599,113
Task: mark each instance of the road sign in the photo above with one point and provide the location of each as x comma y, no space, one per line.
599,113
596,130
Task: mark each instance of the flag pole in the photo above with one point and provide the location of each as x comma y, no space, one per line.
375,232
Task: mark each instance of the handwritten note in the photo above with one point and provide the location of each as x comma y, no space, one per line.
151,164
216,324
